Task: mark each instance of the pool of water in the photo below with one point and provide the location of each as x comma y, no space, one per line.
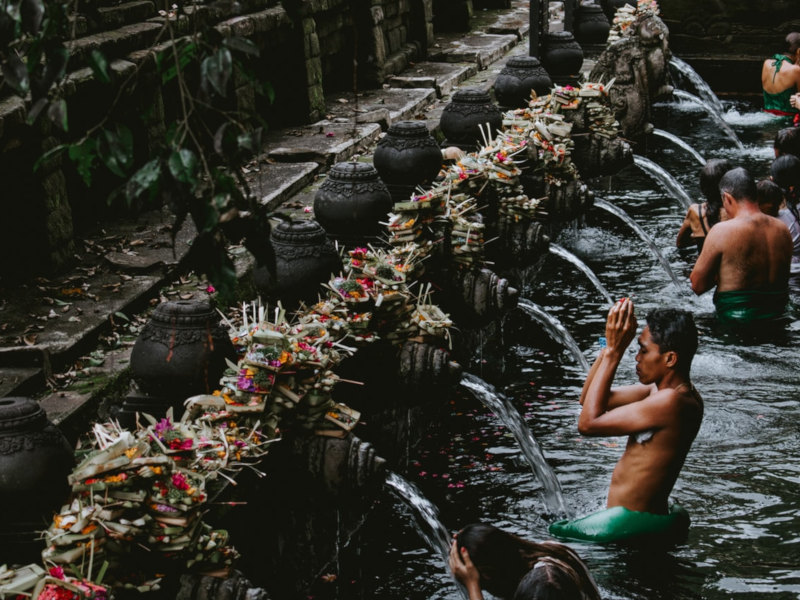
741,481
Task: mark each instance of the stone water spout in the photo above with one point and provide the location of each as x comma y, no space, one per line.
342,466
638,63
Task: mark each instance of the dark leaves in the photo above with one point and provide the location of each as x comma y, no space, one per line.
183,166
216,70
115,148
16,74
99,66
31,13
144,180
57,113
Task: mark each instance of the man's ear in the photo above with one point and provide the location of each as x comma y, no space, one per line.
671,358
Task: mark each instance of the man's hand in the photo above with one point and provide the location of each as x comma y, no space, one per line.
794,100
620,326
465,572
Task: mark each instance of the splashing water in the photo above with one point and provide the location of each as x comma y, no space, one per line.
584,268
723,125
663,177
700,84
679,142
555,329
500,405
626,218
426,519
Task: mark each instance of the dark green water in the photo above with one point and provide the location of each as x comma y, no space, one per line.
741,481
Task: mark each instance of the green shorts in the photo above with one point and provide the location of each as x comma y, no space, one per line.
618,523
748,306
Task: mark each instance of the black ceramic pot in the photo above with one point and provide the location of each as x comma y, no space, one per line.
181,351
513,85
352,202
304,259
469,110
562,55
590,25
35,460
407,156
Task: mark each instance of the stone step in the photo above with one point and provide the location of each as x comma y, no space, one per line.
479,48
21,381
324,142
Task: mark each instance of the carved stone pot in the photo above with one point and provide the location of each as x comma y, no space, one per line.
469,110
352,202
424,367
513,85
180,352
304,259
590,25
407,156
35,460
562,56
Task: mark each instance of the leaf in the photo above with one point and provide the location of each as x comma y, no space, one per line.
240,44
145,179
16,74
216,70
225,141
84,155
31,13
57,113
54,70
115,148
36,110
250,141
166,60
48,155
99,65
183,166
122,316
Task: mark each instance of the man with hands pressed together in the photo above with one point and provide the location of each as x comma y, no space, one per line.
661,417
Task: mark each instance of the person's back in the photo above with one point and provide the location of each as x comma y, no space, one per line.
747,257
700,218
785,174
780,78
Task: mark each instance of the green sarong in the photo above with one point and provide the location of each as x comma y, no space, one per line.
618,524
747,306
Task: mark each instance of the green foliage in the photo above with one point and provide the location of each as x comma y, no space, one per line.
196,168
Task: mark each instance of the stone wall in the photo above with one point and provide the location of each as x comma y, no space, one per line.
307,50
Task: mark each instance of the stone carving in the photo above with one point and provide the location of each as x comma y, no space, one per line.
638,64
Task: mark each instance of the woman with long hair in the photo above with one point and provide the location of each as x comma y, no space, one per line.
510,567
702,217
785,172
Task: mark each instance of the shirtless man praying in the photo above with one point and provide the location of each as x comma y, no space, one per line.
661,417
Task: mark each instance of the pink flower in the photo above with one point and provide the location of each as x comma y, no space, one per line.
57,572
330,134
211,289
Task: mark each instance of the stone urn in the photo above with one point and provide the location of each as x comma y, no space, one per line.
35,460
304,259
407,157
590,25
180,353
351,204
513,85
469,111
562,56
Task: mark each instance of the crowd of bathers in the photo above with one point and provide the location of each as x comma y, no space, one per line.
747,235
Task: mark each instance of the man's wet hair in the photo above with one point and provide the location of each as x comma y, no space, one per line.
769,192
674,330
787,141
793,42
738,183
710,175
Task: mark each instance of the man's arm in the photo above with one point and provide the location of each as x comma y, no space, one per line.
654,412
706,269
619,395
596,394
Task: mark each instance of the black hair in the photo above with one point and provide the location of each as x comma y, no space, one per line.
769,192
549,580
710,175
674,330
793,42
503,559
738,183
787,141
785,172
